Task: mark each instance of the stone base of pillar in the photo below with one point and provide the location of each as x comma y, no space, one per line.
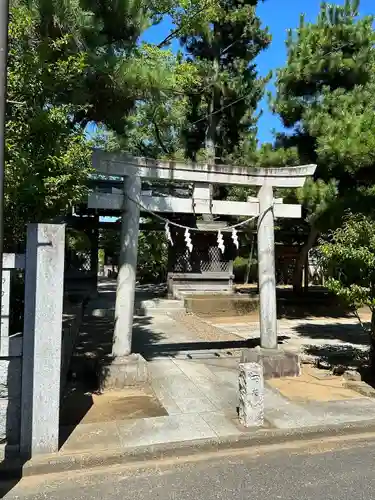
276,362
126,371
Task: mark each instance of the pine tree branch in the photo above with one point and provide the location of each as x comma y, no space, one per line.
176,31
158,137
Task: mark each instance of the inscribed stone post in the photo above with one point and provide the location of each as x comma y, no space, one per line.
44,284
251,391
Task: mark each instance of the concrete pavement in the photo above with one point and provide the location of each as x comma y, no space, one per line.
194,376
193,395
315,470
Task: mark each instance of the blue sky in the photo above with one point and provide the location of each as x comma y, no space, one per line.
278,15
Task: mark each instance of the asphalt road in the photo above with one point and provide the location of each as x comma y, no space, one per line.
315,470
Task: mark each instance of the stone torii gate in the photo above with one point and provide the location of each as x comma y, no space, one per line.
127,368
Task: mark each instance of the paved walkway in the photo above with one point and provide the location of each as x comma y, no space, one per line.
335,340
194,375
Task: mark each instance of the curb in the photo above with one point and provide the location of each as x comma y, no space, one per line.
56,463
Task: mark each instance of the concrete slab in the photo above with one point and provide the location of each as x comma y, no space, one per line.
342,412
165,398
221,424
285,414
216,394
173,428
197,372
196,405
91,437
281,420
228,363
188,397
161,368
229,377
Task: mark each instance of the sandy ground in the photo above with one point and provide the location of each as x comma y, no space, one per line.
130,403
313,385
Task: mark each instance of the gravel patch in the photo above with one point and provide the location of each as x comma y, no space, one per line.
201,329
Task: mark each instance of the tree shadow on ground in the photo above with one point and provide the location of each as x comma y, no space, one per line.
172,350
146,291
352,333
150,344
333,356
11,473
94,345
317,301
288,310
314,303
341,358
76,403
350,351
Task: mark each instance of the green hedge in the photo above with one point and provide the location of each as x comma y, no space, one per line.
240,270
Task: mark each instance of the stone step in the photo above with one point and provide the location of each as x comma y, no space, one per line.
158,307
160,304
152,313
101,312
148,307
181,291
157,311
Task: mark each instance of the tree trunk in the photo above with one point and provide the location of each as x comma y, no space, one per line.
210,140
301,259
249,263
372,342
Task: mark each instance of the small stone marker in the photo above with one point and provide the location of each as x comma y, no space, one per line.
251,385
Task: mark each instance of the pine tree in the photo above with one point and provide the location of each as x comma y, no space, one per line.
222,38
119,71
70,62
333,54
325,96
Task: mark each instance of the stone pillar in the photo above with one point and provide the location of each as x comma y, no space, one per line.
10,359
266,269
122,341
251,392
94,252
125,368
42,335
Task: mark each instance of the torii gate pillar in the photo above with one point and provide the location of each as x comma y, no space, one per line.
125,368
122,338
266,269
